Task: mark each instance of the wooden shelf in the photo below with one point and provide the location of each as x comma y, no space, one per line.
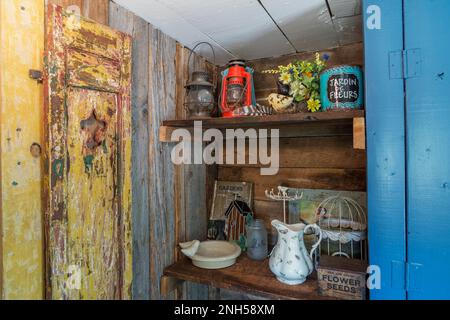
248,276
312,124
267,121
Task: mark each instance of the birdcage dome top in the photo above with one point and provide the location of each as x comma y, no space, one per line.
343,213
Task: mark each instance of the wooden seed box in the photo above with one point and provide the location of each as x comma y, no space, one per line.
342,278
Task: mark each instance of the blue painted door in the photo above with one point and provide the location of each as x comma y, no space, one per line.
427,73
383,33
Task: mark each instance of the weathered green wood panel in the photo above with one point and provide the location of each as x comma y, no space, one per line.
123,20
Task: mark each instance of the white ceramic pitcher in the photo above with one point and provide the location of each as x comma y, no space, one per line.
289,260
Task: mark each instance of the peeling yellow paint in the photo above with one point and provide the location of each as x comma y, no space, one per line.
89,159
92,204
127,166
22,41
97,72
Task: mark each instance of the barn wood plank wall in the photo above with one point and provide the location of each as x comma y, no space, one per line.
162,90
314,156
169,202
126,21
21,245
194,182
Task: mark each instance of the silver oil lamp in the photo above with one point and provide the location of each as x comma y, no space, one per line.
199,99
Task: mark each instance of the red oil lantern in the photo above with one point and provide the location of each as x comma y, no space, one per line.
237,88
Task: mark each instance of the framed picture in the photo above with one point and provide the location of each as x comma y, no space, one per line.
305,209
225,192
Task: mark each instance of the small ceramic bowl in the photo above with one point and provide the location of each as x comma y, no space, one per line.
211,254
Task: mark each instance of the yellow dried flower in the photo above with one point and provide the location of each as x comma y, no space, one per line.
314,105
285,78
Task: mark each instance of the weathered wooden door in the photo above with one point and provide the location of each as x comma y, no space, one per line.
88,159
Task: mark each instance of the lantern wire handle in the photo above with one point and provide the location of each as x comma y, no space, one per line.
193,51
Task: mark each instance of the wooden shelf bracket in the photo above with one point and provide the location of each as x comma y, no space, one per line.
169,284
359,133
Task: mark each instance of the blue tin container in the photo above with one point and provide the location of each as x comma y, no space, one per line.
342,87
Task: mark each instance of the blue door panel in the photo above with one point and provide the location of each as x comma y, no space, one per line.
427,34
386,146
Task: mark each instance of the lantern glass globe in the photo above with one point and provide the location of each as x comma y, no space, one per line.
200,101
235,93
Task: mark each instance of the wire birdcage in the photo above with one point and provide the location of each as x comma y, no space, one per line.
344,227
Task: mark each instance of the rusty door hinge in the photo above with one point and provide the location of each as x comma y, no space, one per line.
36,75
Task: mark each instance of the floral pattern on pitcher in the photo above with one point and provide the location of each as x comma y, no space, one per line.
290,261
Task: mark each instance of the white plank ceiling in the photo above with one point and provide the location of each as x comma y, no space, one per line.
252,29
